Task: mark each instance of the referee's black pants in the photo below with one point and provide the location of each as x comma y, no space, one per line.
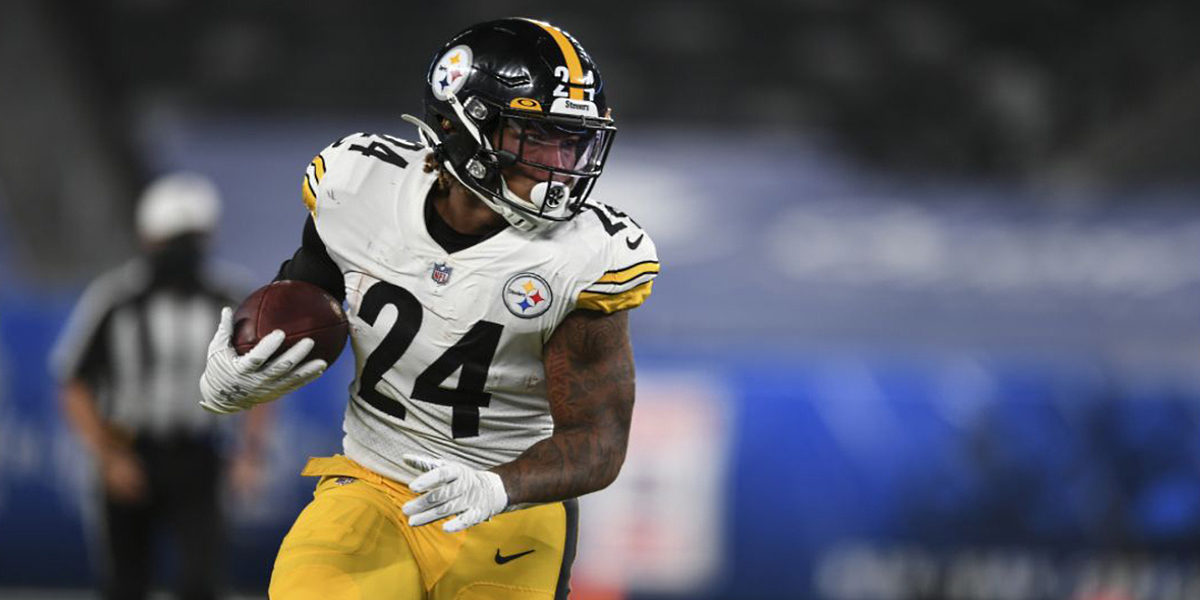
182,501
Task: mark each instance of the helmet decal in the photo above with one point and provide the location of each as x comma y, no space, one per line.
451,71
566,106
525,104
572,75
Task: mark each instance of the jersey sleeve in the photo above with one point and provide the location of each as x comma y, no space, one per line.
630,264
346,163
311,187
312,182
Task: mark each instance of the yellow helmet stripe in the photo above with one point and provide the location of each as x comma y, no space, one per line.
569,56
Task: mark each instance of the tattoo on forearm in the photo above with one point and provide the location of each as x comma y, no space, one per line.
590,387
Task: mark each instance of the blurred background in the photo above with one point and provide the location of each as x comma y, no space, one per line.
929,319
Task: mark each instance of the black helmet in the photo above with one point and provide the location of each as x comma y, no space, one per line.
524,93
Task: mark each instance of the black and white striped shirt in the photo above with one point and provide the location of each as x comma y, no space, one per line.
142,348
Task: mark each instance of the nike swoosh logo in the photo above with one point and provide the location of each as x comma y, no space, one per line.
633,244
503,559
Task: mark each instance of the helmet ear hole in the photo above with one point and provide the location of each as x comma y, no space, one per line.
477,109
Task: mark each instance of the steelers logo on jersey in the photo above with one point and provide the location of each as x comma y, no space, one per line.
527,295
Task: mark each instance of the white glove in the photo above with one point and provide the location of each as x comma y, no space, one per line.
232,383
449,488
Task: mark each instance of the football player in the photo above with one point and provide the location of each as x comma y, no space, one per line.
488,300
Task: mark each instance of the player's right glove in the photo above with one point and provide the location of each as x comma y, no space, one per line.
232,383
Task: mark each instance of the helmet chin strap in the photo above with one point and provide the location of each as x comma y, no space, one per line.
545,196
513,217
431,139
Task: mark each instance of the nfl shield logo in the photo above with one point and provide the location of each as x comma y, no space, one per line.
441,273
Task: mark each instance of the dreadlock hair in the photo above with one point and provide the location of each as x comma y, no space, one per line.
444,180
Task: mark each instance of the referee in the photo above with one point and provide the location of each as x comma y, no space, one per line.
128,361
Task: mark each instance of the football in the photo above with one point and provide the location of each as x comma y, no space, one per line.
301,310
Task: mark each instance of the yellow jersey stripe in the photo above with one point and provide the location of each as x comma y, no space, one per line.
310,197
611,303
319,167
569,56
629,273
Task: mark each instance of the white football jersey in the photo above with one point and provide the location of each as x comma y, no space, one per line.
448,347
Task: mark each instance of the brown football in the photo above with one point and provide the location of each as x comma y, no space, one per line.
300,309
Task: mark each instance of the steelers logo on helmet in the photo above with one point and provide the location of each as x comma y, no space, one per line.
451,72
527,295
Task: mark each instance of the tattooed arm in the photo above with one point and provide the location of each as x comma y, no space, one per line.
589,383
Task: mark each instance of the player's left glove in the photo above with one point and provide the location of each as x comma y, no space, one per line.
448,488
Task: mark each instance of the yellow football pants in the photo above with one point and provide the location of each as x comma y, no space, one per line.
353,542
